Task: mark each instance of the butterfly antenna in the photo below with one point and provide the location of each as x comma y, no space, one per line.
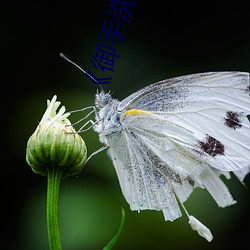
68,60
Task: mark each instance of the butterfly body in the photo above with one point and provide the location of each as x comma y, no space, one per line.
175,135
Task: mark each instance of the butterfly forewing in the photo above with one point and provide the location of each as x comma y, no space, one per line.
210,106
173,156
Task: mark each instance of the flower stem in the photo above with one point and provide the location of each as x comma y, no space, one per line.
53,185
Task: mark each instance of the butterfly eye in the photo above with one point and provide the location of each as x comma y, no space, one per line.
106,98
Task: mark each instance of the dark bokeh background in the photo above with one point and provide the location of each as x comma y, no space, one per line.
163,40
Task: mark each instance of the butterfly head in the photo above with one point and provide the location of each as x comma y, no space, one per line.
102,99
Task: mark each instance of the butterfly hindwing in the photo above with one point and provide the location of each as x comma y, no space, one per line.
142,184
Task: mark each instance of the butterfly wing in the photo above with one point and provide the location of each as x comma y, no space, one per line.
140,184
179,134
212,106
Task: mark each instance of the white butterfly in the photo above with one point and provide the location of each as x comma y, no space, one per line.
175,135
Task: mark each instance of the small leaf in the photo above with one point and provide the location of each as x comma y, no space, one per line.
110,245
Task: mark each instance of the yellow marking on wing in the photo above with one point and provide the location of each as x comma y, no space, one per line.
137,112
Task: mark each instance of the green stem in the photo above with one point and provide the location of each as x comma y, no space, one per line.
117,234
54,177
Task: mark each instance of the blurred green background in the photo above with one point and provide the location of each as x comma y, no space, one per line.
163,40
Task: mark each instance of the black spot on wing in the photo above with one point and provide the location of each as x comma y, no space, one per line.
212,146
233,119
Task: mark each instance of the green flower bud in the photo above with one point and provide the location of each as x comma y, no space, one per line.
55,144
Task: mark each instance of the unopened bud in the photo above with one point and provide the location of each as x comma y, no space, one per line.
55,143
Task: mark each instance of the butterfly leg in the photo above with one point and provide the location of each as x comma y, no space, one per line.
96,152
86,116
